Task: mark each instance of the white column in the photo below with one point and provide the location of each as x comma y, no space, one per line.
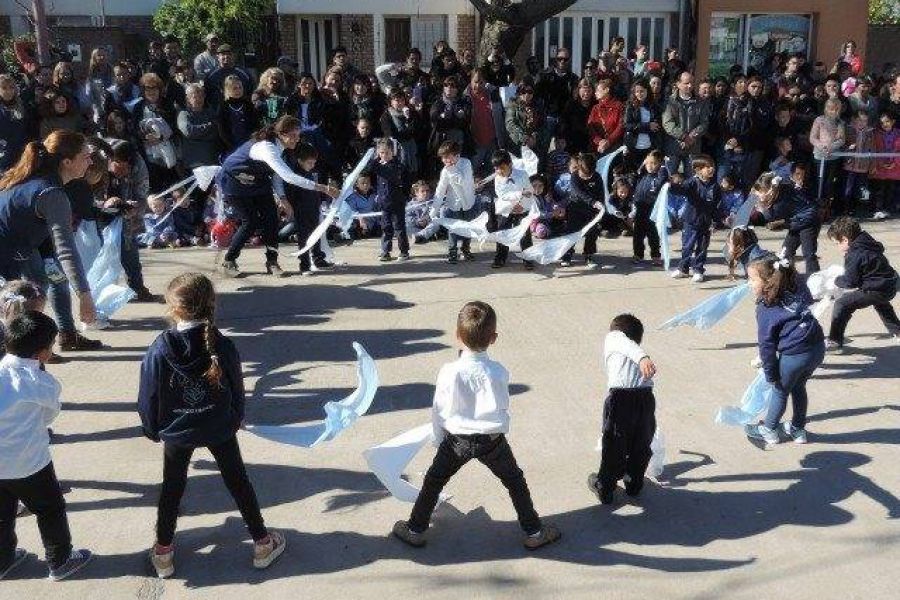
453,31
378,38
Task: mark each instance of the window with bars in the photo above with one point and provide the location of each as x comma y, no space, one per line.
316,36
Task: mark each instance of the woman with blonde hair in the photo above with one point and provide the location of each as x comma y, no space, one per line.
270,96
237,115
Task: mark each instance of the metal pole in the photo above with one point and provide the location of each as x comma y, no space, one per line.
41,34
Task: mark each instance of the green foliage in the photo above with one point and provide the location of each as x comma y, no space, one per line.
884,12
191,20
8,62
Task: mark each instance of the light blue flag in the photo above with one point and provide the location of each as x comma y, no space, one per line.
710,311
338,415
603,166
756,400
660,216
104,266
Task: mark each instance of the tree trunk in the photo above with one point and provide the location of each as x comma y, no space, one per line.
41,34
506,36
506,23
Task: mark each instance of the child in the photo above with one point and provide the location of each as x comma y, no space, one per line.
629,419
786,204
456,189
563,185
677,201
622,201
781,165
732,200
184,220
887,170
471,419
306,206
703,196
418,219
826,136
551,221
159,231
515,197
558,160
192,396
651,178
29,402
791,345
741,248
861,138
870,276
16,297
585,199
362,201
391,194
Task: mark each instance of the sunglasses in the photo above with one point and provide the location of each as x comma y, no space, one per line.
523,92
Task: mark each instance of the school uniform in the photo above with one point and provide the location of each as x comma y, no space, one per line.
629,414
306,205
512,191
645,193
703,198
583,194
800,211
392,194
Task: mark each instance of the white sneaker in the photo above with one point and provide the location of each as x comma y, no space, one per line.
798,435
880,215
763,433
164,564
678,274
698,278
265,554
833,347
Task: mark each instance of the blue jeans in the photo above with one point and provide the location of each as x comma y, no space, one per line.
694,244
794,370
58,294
453,240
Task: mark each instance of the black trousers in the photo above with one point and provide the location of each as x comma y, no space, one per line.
41,494
393,221
231,465
849,303
306,219
492,451
808,240
502,252
577,216
645,229
254,212
629,421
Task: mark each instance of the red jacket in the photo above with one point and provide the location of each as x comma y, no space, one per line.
607,122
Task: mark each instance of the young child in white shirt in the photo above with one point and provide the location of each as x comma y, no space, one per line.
456,191
629,419
29,402
471,419
515,197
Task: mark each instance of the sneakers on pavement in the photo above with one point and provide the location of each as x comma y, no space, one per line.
833,347
795,433
763,433
698,278
605,496
264,554
402,531
163,562
77,560
547,535
19,557
678,274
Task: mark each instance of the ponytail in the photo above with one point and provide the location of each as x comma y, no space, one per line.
269,133
43,158
214,372
779,277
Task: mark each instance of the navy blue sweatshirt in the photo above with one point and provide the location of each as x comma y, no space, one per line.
175,401
786,327
391,184
867,268
648,186
703,199
795,205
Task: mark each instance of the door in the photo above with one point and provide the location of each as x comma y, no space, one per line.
315,39
397,38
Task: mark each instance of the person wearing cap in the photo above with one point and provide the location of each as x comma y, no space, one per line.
206,62
215,81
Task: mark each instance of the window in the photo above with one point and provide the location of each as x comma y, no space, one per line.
751,40
426,32
315,39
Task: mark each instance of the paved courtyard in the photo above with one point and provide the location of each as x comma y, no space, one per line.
727,520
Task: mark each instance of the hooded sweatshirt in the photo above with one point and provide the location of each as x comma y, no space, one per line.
867,268
176,402
786,327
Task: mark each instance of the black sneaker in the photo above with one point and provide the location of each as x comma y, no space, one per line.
324,264
386,257
402,532
77,560
19,557
468,255
604,495
452,259
404,256
633,488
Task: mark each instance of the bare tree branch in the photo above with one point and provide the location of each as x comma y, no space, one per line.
525,14
490,10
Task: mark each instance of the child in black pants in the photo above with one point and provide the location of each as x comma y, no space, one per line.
391,193
29,402
471,419
651,178
191,396
629,419
306,205
870,276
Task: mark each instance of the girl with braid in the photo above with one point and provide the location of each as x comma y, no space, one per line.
192,395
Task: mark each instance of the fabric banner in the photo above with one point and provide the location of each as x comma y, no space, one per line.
823,288
756,400
603,166
660,216
545,252
336,204
743,214
512,237
339,415
389,460
710,311
104,267
475,229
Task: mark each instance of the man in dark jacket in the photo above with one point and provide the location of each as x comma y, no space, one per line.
556,86
868,274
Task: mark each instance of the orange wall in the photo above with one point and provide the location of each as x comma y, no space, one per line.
834,22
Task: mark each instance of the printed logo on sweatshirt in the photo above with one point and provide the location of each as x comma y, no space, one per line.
195,391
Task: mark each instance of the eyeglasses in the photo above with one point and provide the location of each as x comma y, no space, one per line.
525,92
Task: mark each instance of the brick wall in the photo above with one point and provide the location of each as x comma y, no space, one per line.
5,25
883,46
287,35
126,38
356,32
465,32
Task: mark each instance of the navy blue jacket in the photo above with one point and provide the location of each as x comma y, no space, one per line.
391,183
22,231
867,268
175,401
648,186
703,199
297,195
240,175
786,327
796,206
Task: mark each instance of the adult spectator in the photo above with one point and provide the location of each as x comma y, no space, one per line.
556,85
270,96
123,92
215,81
237,115
341,60
58,111
288,67
643,126
15,123
206,62
487,127
497,69
201,142
606,123
526,122
892,98
863,99
850,55
153,124
450,117
403,123
573,125
364,104
156,62
99,77
793,75
171,49
685,120
758,140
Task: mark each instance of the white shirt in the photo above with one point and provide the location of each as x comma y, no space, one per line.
29,402
511,191
456,187
271,154
471,396
622,357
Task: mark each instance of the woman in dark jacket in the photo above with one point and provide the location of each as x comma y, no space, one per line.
270,96
450,116
307,105
364,104
643,124
237,115
153,123
573,122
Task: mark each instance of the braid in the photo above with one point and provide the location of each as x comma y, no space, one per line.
214,372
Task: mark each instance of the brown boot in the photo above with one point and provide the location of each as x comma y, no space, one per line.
72,341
